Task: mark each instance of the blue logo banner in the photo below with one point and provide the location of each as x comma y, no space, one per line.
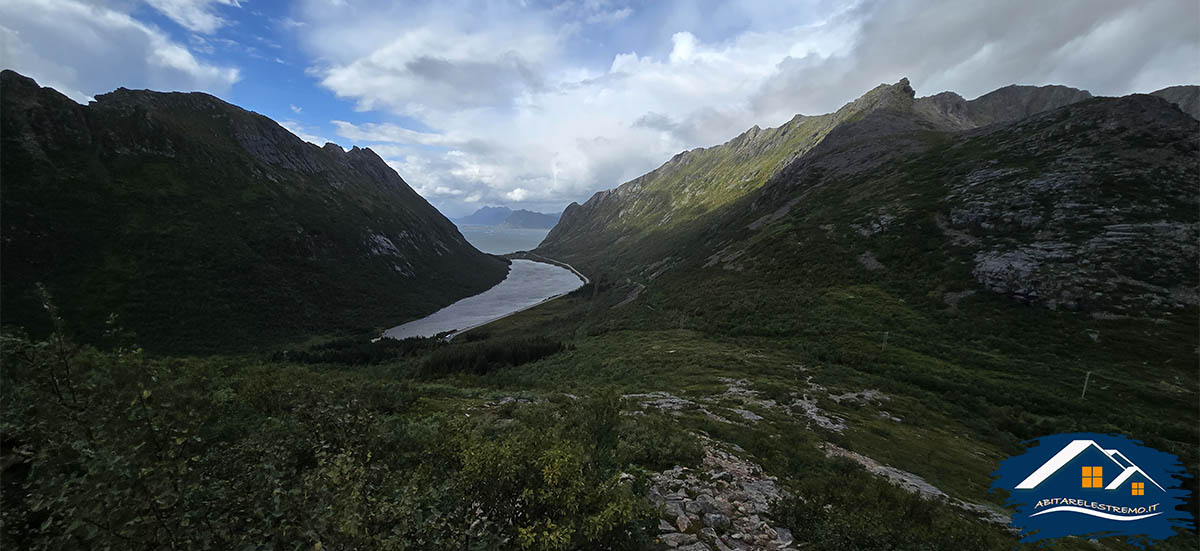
1094,485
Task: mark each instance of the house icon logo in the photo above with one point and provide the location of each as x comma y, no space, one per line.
1094,485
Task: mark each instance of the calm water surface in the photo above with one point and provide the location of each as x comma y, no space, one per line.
495,240
527,284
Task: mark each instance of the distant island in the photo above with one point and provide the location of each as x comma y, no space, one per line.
507,218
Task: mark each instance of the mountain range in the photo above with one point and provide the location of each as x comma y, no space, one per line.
204,226
825,335
508,218
1033,189
923,283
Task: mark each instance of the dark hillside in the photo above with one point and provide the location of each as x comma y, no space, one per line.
203,226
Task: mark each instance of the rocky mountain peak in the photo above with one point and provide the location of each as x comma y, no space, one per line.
894,97
12,80
1186,98
950,111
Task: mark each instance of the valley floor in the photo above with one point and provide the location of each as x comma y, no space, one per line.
575,424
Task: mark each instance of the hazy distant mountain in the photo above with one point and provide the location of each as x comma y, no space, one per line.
486,216
204,226
526,219
508,218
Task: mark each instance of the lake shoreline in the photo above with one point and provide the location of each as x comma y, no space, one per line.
530,282
530,255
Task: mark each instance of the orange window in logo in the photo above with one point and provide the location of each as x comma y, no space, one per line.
1139,488
1093,477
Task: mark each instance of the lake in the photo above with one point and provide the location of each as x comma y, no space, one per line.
528,283
496,240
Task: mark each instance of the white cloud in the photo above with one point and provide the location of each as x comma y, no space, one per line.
372,132
289,23
433,68
295,109
303,132
544,146
525,112
609,17
194,15
82,50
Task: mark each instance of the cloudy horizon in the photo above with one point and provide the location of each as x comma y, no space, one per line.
538,104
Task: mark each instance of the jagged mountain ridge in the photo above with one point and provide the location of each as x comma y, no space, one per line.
697,182
1061,256
950,111
204,226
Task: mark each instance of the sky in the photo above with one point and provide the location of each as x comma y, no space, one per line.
535,104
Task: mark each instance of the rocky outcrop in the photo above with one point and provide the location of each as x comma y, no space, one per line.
917,485
1086,230
720,506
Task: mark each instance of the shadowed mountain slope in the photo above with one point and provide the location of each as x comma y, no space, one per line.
204,226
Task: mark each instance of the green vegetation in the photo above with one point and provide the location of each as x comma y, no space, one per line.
794,306
211,228
358,350
482,358
123,450
780,343
126,449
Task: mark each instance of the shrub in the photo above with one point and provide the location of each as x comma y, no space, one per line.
484,357
357,351
123,451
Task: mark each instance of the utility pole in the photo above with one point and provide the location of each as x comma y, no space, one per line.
1085,382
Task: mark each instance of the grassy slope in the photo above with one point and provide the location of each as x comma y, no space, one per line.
694,185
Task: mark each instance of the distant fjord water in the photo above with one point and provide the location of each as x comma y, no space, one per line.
501,240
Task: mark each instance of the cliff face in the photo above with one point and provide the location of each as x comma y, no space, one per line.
205,226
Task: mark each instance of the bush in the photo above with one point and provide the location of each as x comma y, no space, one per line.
357,351
656,442
123,451
480,358
847,508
